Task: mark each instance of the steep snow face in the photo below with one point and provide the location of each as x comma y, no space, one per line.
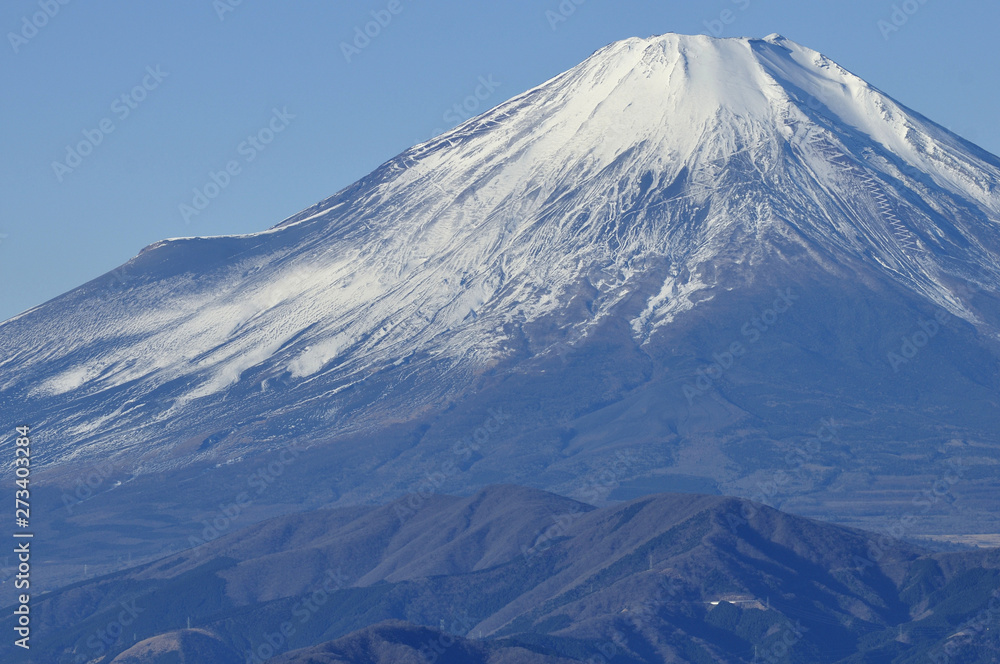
685,152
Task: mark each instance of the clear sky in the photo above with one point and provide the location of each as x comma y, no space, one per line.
164,94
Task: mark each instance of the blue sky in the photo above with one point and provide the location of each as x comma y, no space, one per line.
166,96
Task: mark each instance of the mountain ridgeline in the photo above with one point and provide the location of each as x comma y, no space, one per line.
599,257
512,574
716,267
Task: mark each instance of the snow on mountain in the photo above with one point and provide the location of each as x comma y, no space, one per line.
708,156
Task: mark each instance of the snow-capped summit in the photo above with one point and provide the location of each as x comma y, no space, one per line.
637,192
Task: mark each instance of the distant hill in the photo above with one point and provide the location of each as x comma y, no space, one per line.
519,574
181,647
402,643
728,258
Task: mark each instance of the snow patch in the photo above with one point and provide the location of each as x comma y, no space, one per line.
319,355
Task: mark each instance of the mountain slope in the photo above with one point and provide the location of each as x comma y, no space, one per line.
687,250
190,645
685,151
521,573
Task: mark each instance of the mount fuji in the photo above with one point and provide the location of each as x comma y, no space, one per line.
687,264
